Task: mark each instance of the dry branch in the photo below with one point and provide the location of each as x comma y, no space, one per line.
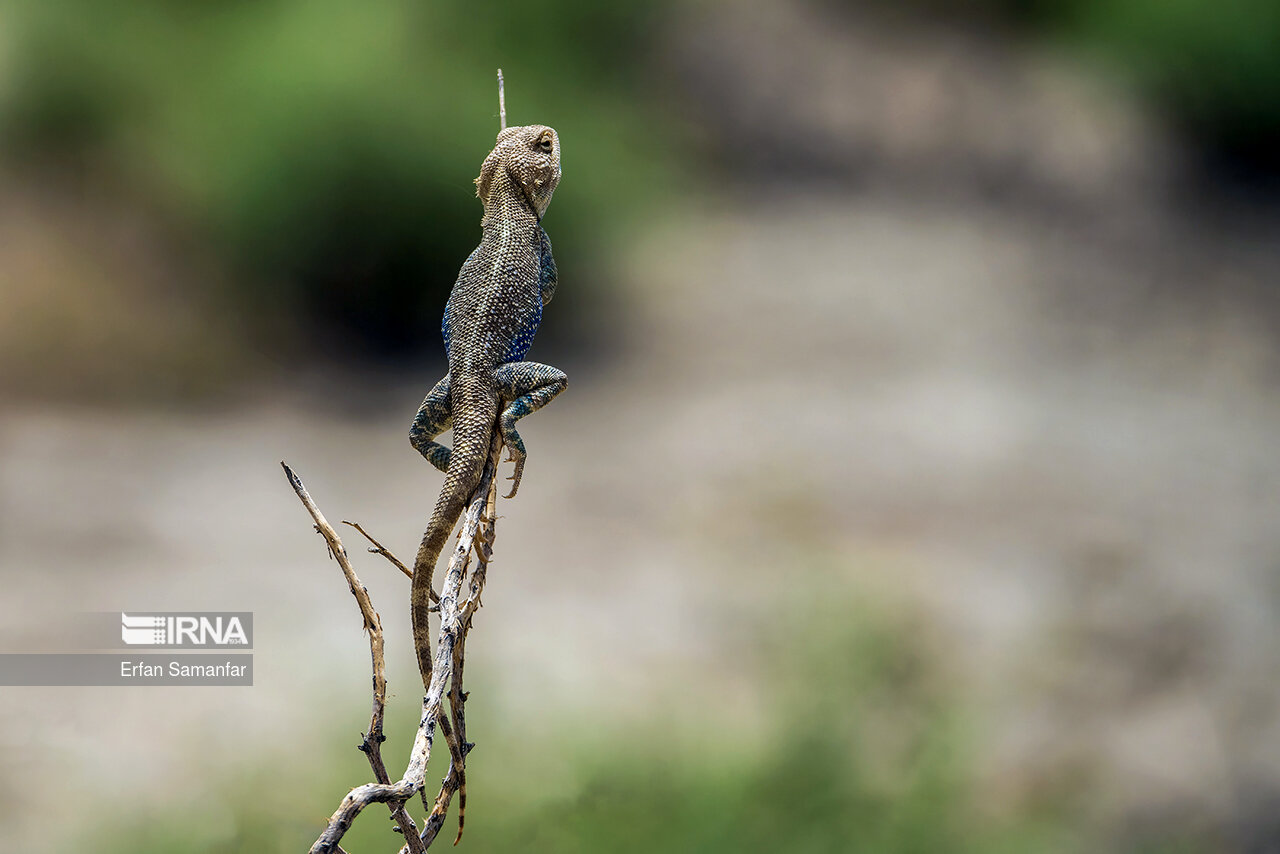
502,104
380,549
456,612
371,744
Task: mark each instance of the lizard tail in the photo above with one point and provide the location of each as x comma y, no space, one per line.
462,805
466,465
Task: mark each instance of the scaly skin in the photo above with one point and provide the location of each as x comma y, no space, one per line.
492,314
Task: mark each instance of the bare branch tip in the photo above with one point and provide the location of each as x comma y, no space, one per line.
502,104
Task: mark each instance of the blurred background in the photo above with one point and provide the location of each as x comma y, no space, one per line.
915,485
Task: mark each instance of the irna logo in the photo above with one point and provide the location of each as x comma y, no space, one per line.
187,629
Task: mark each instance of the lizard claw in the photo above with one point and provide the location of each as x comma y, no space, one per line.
515,476
480,541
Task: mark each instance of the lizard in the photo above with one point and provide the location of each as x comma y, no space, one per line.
490,318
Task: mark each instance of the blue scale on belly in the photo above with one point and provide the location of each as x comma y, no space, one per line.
524,337
444,322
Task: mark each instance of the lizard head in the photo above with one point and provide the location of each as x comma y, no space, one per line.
525,161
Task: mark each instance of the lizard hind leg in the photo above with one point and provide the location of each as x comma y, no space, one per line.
528,386
434,417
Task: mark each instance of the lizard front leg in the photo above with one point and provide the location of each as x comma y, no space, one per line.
528,386
434,417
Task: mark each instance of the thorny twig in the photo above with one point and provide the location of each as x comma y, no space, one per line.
477,534
380,549
480,540
371,744
456,612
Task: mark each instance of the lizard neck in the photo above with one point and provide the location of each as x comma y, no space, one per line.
508,206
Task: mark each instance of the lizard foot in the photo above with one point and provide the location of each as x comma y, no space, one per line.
518,459
483,545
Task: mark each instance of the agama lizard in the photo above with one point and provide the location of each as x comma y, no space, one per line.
493,311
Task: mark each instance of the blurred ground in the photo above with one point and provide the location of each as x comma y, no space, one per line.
1103,581
1035,423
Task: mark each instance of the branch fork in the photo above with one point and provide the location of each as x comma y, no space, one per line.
456,604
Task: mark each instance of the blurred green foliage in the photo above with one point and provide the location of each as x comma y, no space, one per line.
864,750
328,148
1215,66
324,151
